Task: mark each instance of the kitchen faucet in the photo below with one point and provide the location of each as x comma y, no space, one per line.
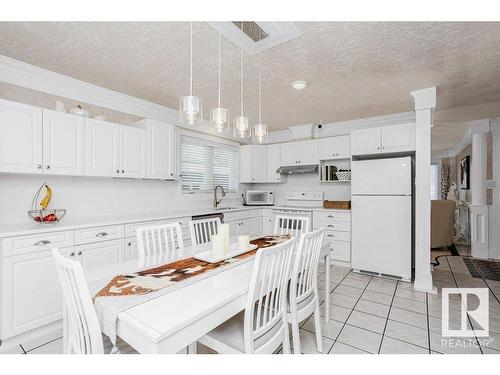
216,202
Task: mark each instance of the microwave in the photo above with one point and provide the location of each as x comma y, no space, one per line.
259,198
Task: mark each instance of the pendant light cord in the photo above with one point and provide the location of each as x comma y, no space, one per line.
191,60
260,91
219,71
241,69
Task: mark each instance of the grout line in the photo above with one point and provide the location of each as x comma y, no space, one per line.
428,321
39,346
387,319
354,347
344,324
22,349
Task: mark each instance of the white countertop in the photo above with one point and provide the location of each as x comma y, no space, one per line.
20,229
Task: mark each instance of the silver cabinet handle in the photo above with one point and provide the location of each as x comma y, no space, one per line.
330,226
331,235
42,242
102,234
330,216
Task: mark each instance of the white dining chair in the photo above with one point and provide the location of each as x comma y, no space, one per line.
293,225
160,239
261,327
202,230
303,297
81,330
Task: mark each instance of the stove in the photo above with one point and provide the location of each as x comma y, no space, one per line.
300,203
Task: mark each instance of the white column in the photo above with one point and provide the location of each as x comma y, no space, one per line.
478,169
425,103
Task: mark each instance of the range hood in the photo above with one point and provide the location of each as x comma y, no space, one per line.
296,169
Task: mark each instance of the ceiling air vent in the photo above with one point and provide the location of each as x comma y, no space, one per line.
255,37
251,29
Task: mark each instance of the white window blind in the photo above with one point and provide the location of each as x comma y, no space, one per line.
435,182
205,165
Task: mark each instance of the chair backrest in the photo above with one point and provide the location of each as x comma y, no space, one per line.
293,225
202,230
164,239
303,280
81,327
264,321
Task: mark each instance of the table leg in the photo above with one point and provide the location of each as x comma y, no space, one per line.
327,287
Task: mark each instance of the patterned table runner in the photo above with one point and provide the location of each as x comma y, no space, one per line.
143,286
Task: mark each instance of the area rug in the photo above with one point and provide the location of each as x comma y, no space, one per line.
484,269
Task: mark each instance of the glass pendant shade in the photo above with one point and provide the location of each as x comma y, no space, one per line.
242,128
191,110
260,133
219,119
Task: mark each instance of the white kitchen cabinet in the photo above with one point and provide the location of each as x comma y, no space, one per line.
100,254
299,153
102,143
63,143
398,138
162,145
273,163
132,152
20,138
267,224
31,293
394,138
366,141
337,225
334,147
253,161
131,250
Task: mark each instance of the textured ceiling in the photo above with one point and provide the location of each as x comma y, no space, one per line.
353,70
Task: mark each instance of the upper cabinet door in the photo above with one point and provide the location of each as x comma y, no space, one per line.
132,152
63,143
398,138
289,153
273,162
308,152
327,148
366,141
246,164
259,163
343,147
173,153
20,138
102,148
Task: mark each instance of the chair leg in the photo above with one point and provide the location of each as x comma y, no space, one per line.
192,348
296,338
317,325
286,340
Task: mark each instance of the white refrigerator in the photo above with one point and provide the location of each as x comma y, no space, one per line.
382,216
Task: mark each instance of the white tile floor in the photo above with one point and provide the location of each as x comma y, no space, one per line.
371,315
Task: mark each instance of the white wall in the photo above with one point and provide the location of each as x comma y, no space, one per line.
87,197
308,182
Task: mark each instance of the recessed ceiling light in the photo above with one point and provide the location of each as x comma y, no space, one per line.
299,85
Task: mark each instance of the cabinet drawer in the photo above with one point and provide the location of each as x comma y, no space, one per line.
333,215
338,236
97,234
330,224
229,216
130,229
341,251
37,242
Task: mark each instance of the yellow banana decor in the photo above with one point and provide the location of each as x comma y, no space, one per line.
46,200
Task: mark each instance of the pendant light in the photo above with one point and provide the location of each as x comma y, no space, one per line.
260,129
190,107
219,117
242,128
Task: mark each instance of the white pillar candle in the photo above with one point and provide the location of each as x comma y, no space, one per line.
217,245
244,242
224,231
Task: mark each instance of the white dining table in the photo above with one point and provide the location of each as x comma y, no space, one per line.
174,321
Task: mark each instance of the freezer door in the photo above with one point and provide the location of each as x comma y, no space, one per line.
381,235
381,176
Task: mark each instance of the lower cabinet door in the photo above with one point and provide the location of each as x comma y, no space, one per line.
267,225
341,251
31,292
100,254
131,251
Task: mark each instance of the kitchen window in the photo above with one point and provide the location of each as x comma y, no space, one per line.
206,164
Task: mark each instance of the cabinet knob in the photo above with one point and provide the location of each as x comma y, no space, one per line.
39,166
72,254
171,174
79,253
123,171
48,167
378,148
129,244
117,171
383,147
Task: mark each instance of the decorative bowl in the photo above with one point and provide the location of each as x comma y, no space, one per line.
47,216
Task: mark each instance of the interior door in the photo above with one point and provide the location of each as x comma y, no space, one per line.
132,152
366,141
398,138
102,148
63,143
20,138
381,235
